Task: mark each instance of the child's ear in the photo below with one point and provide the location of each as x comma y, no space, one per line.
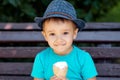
75,33
44,35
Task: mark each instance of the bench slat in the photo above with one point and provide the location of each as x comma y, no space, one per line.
108,69
32,36
103,26
98,36
108,78
19,26
18,36
33,26
25,69
19,52
30,52
16,78
29,78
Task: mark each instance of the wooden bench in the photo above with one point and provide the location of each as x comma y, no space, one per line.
20,42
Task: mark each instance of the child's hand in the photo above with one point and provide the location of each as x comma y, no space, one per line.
58,78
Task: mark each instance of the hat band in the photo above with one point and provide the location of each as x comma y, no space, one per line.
51,13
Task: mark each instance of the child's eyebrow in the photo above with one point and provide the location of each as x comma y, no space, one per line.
50,31
66,30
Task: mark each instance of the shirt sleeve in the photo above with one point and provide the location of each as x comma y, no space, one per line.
37,71
88,68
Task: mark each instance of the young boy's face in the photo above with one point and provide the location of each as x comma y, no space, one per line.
59,35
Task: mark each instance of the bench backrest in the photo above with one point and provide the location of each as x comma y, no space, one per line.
20,42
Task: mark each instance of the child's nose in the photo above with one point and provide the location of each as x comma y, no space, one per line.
59,40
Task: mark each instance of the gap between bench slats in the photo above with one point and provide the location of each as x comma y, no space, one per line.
30,52
32,36
33,26
104,69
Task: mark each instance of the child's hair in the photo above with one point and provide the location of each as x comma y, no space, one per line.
57,19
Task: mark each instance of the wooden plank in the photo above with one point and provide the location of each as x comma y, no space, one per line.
30,78
108,78
36,36
19,52
21,69
108,69
18,26
103,26
16,78
30,52
103,52
104,69
98,36
18,36
33,26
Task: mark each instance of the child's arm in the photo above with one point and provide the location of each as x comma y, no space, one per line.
38,79
92,78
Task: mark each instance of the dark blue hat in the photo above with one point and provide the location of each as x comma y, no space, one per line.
62,9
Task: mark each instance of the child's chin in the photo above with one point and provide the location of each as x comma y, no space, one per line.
60,52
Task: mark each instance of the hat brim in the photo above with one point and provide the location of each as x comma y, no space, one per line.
79,23
39,21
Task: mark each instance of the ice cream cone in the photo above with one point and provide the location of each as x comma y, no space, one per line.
60,69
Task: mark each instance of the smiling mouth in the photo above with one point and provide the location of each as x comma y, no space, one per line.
59,44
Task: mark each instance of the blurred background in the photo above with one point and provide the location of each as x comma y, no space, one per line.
89,10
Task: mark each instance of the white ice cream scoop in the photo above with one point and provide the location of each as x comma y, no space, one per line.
60,68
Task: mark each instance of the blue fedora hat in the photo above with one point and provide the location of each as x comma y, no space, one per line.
62,9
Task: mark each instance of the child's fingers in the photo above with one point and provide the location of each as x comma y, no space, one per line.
58,78
55,78
63,78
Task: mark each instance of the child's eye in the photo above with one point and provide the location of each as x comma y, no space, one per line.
65,33
51,34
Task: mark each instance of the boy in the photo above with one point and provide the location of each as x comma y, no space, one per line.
59,27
